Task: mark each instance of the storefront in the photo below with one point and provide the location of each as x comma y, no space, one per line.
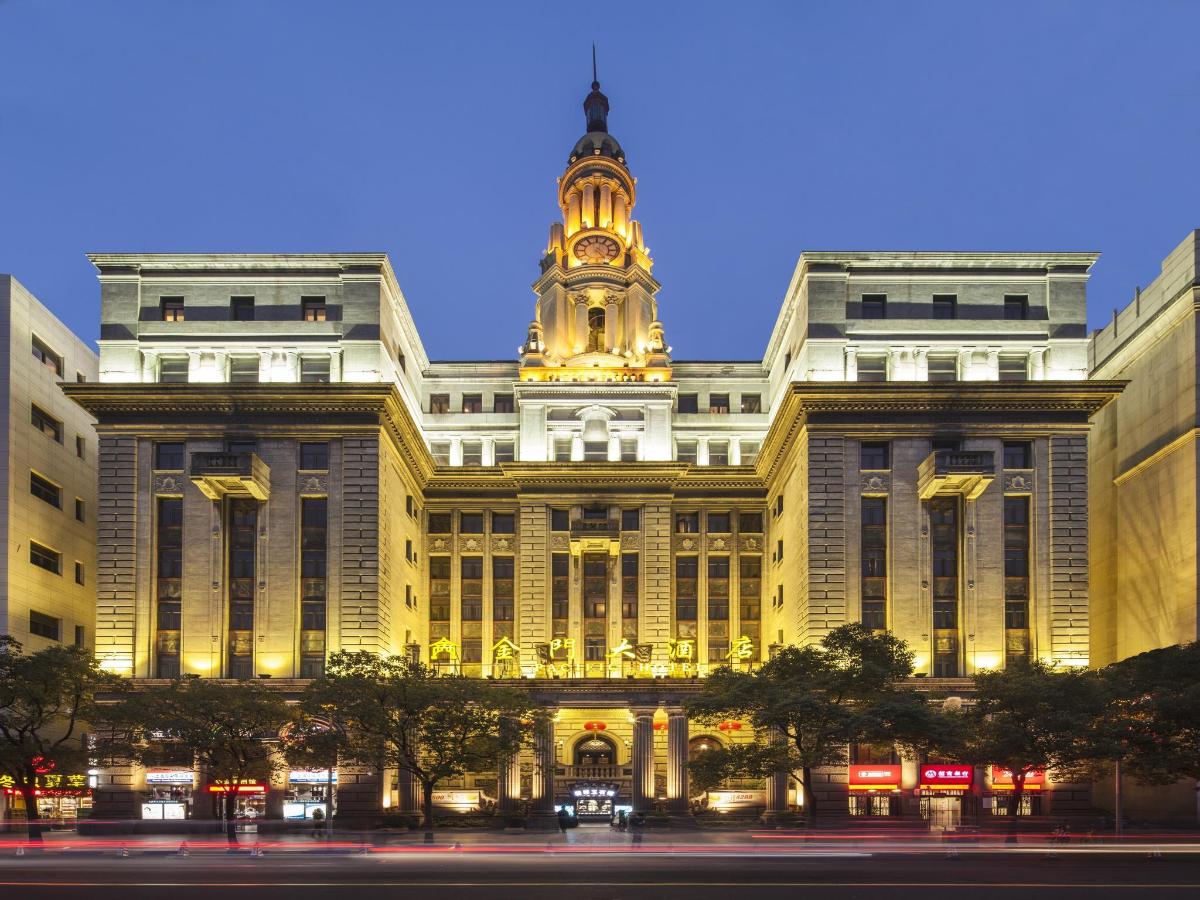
61,799
594,801
1001,783
874,789
307,791
168,794
251,798
945,792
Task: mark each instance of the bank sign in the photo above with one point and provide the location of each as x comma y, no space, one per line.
874,778
946,778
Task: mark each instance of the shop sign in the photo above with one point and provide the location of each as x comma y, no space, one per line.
169,776
1002,779
313,776
460,801
874,778
946,778
168,810
723,800
48,781
242,787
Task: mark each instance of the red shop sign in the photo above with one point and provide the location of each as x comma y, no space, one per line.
874,778
946,778
1002,779
246,787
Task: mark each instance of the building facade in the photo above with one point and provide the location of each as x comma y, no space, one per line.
285,473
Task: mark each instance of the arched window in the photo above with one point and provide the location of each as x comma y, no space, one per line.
595,750
702,744
595,330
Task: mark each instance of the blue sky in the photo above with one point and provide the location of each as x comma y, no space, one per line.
435,131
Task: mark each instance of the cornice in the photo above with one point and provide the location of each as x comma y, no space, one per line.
577,391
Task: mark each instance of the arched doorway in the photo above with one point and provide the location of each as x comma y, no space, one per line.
702,744
595,750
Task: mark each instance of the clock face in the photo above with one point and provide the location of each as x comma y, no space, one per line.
596,249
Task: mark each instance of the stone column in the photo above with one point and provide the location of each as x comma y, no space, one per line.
610,325
851,364
777,790
921,364
508,786
587,208
614,447
408,792
576,448
993,364
677,760
544,761
643,759
572,212
579,339
604,219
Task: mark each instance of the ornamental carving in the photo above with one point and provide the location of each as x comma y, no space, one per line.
470,544
877,483
168,484
313,484
560,542
687,542
631,541
1018,483
719,543
502,544
439,544
752,545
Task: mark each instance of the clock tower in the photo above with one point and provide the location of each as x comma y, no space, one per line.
596,317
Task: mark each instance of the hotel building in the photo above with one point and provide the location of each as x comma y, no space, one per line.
284,473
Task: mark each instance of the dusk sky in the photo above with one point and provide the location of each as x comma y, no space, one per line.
435,132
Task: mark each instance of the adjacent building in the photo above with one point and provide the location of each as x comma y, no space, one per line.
285,473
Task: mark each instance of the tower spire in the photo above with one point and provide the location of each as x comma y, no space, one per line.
595,80
596,104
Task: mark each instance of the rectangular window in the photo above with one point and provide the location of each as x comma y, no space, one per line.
173,370
1018,455
314,543
45,626
750,588
439,403
81,637
779,550
1014,367
243,370
629,586
472,403
750,523
631,520
560,520
943,367
314,369
79,508
439,523
314,456
504,452
874,455
944,539
778,505
502,403
470,523
718,588
46,423
687,570
594,649
751,403
78,572
687,523
168,582
408,550
472,453
874,562
241,309
595,451
440,451
688,403
595,585
504,523
46,491
47,357
471,588
242,537
502,588
1016,307
718,404
718,453
170,309
718,523
874,306
1016,562
45,558
562,449
872,368
629,449
313,309
750,451
945,306
685,451
80,445
439,589
560,585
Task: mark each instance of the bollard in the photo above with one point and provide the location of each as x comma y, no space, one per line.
183,848
256,851
20,849
952,853
124,852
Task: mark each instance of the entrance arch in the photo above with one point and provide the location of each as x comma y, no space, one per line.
595,750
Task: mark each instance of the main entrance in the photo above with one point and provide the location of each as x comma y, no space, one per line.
594,800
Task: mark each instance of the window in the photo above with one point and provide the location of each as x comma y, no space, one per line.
874,455
595,324
779,505
1016,562
408,550
470,523
80,637
401,361
560,580
440,451
751,403
559,520
874,306
79,516
241,446
718,523
687,523
45,626
173,370
750,588
502,588
687,403
78,572
1013,367
1016,306
595,451
439,403
631,520
504,451
562,449
945,306
943,367
408,504
439,523
314,369
46,491
595,585
1018,455
241,309
779,550
787,360
242,542
750,522
629,586
502,403
718,588
471,588
945,445
45,558
472,453
47,357
314,456
313,309
243,370
595,513
685,451
472,403
168,456
46,423
594,649
750,451
629,449
80,378
718,404
504,523
80,445
872,368
874,562
687,569
944,540
718,453
439,589
170,309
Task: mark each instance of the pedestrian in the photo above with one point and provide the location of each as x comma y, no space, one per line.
318,820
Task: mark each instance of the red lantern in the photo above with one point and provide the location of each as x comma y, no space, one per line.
660,726
730,725
42,766
594,726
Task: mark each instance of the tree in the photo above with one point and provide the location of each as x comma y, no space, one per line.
1031,716
46,697
317,739
403,714
231,729
807,704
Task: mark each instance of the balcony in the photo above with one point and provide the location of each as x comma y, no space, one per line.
231,475
595,528
965,473
595,773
